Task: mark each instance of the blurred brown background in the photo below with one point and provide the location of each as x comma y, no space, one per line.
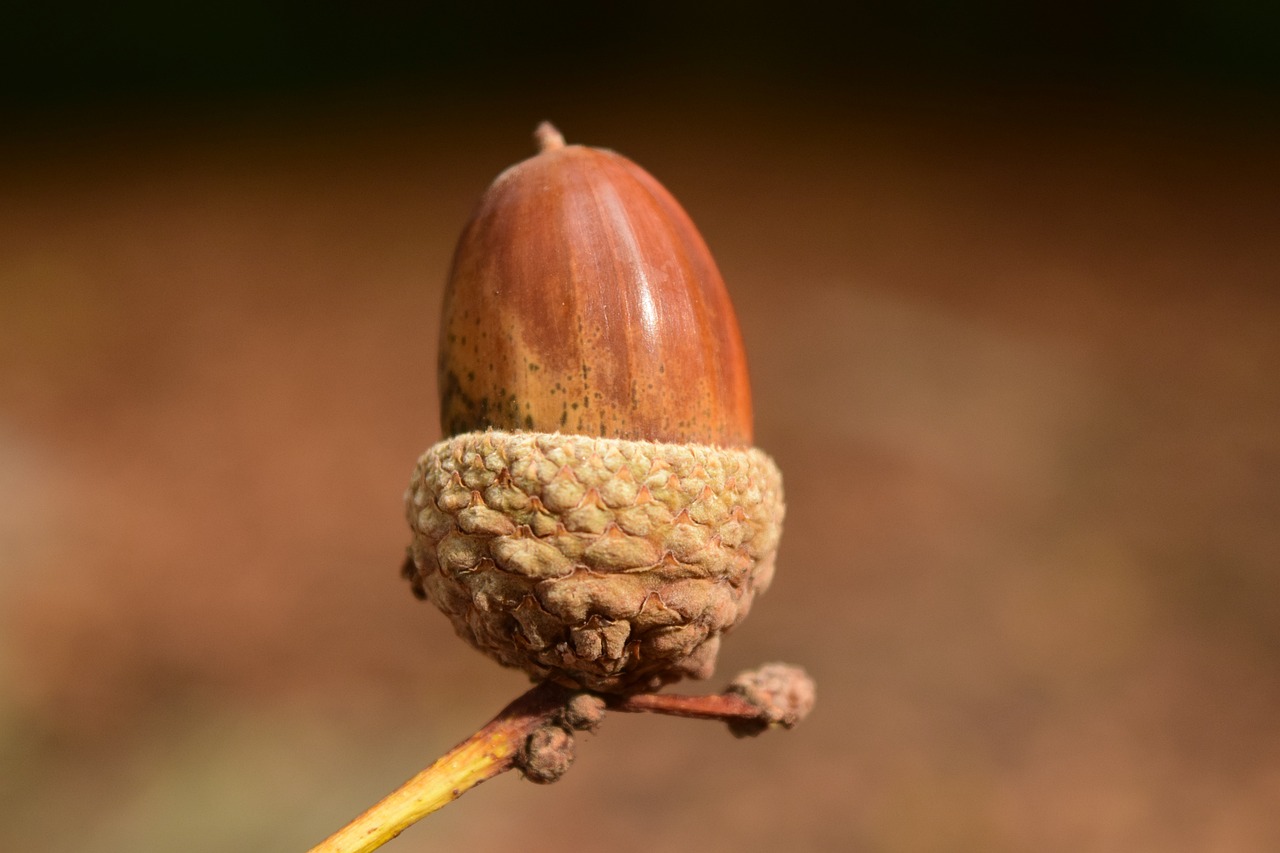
1009,283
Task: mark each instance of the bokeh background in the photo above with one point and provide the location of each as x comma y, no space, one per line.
1009,276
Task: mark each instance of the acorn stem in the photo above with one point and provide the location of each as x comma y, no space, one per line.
488,753
548,137
721,706
534,735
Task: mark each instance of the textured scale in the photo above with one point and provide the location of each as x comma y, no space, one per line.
610,564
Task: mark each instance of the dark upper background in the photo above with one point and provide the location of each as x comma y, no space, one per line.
1008,279
83,57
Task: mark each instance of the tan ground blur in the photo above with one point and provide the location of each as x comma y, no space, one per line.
1020,373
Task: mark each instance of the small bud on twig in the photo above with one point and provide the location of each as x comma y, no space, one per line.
784,694
546,754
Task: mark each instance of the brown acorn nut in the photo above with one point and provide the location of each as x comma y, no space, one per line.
583,300
596,515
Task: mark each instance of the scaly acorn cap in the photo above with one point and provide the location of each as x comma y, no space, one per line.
597,515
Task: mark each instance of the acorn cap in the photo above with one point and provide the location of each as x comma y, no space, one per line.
607,564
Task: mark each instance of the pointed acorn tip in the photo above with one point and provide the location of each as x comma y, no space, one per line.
547,137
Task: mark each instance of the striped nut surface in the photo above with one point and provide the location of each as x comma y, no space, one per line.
606,563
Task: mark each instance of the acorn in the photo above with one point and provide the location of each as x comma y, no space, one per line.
596,515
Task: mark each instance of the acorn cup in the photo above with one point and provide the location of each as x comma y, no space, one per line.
597,515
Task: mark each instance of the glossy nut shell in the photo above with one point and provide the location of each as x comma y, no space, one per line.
583,300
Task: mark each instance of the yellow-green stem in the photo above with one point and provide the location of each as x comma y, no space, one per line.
488,753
